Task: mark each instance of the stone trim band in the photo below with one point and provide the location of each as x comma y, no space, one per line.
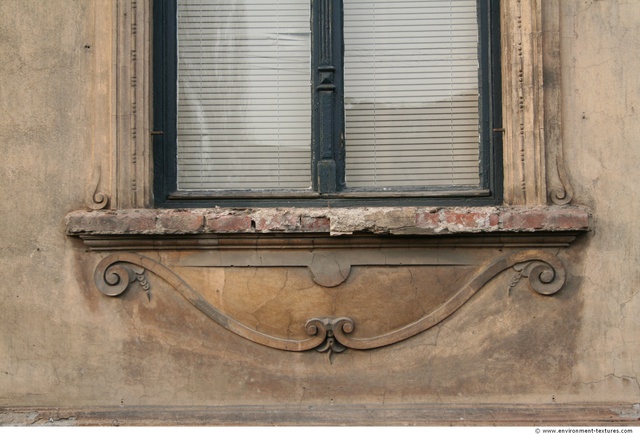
334,221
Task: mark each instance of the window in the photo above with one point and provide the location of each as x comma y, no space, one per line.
328,102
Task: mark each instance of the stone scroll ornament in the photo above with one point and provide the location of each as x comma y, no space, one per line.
545,273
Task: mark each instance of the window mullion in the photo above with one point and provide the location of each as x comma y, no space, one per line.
328,100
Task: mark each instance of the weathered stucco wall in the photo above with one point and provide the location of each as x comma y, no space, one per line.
601,93
63,343
45,137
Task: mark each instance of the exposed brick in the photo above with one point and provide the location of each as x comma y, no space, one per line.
80,221
494,220
515,219
228,223
180,221
428,219
113,222
463,219
315,224
276,221
294,220
135,221
566,219
548,219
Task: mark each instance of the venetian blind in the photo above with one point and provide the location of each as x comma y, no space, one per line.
244,109
411,92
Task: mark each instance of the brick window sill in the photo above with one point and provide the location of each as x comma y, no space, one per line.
429,221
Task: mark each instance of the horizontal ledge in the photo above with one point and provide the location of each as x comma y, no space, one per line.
347,194
355,193
424,221
355,415
307,242
244,194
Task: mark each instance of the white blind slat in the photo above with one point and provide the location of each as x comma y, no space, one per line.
411,93
244,97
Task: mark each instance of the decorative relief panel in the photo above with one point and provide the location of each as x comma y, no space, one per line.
362,297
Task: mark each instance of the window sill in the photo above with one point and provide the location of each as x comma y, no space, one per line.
429,221
460,248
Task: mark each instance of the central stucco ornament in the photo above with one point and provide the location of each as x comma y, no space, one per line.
544,271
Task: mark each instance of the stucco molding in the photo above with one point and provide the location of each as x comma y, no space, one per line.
544,270
534,166
96,198
558,182
99,185
121,167
132,174
417,414
523,113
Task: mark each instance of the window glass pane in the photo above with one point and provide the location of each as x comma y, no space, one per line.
411,93
244,104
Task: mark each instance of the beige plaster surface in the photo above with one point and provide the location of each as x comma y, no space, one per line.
602,130
63,343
